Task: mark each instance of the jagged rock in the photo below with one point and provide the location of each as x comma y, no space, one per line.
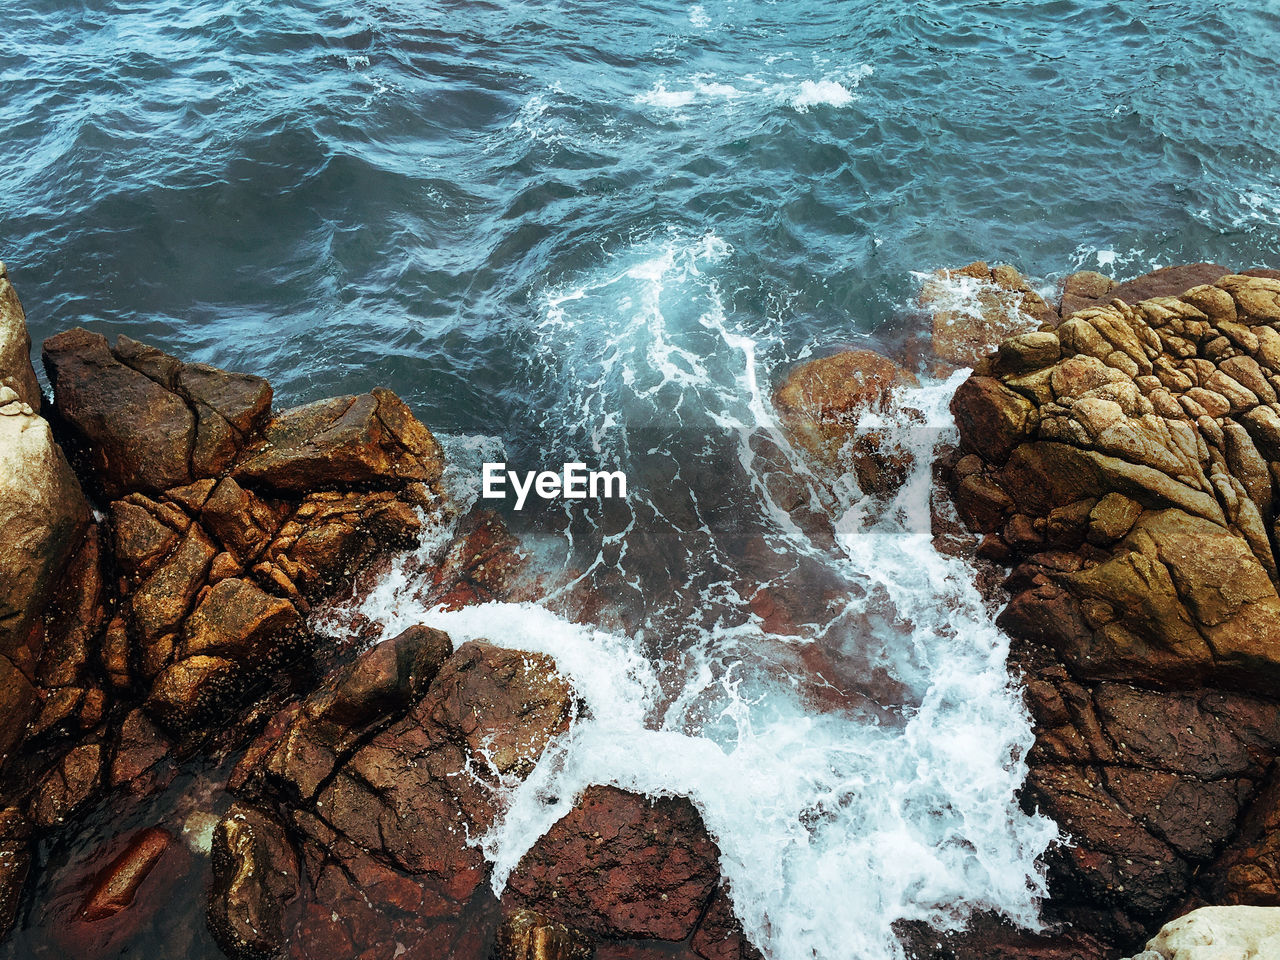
387,771
66,786
116,886
193,691
1128,480
137,434
998,302
255,880
369,439
622,865
820,403
526,935
139,748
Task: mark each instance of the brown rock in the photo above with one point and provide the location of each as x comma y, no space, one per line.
820,403
998,304
140,747
1002,419
526,935
255,882
15,863
236,619
1168,282
71,782
194,690
137,435
117,885
369,439
622,865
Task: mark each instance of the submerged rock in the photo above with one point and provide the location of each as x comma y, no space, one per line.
820,404
117,885
973,308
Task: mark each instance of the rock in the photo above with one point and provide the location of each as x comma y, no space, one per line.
15,863
140,747
238,620
379,686
369,439
1128,486
255,881
16,371
385,774
68,785
1220,933
526,935
972,309
137,435
117,885
1084,289
193,691
622,865
1168,282
44,516
820,403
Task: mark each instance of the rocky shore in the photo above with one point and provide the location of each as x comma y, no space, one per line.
1119,455
169,535
172,536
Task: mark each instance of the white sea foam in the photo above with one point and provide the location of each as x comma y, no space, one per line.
707,90
832,823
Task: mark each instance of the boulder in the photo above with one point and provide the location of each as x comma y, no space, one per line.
622,865
255,882
136,434
16,371
343,442
973,308
820,403
1218,933
44,516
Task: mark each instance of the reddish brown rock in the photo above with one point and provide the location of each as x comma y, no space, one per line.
1167,282
139,748
137,435
117,885
820,403
64,788
15,863
622,865
975,307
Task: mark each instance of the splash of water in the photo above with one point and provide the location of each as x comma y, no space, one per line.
833,822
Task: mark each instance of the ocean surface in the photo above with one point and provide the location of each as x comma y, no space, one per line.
601,232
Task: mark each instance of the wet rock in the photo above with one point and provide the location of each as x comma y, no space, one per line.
526,935
69,784
1126,482
377,687
16,371
622,865
255,881
238,620
820,403
973,308
15,863
194,691
140,746
369,439
137,435
719,935
117,885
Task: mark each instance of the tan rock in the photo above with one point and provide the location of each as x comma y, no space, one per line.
16,371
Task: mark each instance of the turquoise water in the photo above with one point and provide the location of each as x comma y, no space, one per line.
584,231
